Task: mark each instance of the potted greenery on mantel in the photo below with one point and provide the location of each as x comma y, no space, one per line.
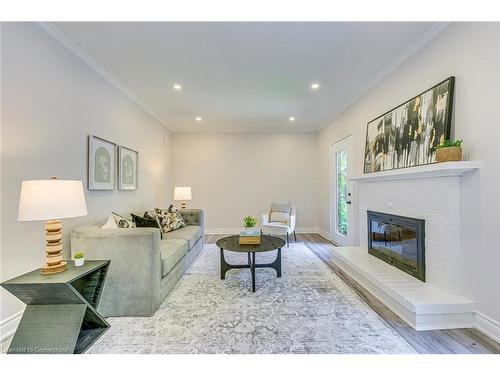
449,151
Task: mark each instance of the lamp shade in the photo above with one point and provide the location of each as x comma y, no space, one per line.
182,193
51,199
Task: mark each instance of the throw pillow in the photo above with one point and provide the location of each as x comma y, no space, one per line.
169,219
110,224
121,222
151,214
280,212
144,222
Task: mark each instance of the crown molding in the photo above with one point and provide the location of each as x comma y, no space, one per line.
424,39
58,35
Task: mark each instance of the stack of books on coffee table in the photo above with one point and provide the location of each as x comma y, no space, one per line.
250,237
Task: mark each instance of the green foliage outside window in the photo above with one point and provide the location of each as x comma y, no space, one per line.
342,192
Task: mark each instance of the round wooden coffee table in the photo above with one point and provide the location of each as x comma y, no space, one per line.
267,243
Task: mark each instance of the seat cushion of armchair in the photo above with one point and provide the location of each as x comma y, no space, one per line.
276,227
171,251
190,233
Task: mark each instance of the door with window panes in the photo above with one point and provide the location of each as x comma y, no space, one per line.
341,193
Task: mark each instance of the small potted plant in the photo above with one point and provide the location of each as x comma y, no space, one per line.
449,151
79,259
249,222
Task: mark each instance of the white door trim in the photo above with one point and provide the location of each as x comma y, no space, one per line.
333,195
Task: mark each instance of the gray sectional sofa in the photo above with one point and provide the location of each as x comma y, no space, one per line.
144,268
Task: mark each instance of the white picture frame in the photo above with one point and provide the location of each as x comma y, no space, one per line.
128,168
101,164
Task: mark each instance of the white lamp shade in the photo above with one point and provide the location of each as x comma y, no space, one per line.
182,193
51,199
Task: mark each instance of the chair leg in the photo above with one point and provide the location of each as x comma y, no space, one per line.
294,236
287,243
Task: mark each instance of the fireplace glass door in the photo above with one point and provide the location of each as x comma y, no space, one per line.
398,241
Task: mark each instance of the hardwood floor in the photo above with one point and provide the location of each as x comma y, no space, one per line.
449,341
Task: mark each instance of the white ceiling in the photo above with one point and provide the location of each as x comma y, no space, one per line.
247,76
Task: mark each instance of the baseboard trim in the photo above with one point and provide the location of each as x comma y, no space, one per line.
8,326
490,327
323,233
237,230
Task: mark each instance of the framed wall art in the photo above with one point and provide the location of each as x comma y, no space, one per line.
101,164
128,168
409,134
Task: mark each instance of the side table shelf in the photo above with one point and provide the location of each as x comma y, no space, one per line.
61,314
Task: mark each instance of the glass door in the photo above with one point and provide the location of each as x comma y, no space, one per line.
341,193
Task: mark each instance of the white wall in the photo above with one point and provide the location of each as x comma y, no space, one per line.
51,101
237,174
470,52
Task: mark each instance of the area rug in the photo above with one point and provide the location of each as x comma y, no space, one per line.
308,310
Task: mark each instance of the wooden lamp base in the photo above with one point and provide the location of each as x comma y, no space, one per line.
183,205
53,248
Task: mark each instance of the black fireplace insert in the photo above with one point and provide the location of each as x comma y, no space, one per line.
399,241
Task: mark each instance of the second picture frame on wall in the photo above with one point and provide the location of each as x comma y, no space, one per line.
128,168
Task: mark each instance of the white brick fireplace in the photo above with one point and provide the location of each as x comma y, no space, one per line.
431,193
435,200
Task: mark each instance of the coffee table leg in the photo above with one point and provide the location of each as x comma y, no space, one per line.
252,269
223,265
278,263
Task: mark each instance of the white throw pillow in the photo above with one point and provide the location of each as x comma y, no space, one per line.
280,212
281,217
110,224
116,221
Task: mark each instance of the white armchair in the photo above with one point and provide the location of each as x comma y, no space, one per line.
280,228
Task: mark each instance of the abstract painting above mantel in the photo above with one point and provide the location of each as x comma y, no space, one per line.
409,134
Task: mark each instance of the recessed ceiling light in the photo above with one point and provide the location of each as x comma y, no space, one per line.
314,86
291,119
177,87
199,119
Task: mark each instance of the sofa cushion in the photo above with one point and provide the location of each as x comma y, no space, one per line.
171,251
191,233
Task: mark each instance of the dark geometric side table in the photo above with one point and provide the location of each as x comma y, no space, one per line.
60,316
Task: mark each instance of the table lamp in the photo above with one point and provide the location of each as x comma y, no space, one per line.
182,193
52,200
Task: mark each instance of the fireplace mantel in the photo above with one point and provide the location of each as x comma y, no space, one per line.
448,169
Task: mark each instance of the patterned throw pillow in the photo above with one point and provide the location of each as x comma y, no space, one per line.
169,219
121,222
144,222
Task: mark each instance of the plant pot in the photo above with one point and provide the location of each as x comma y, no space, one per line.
79,262
445,154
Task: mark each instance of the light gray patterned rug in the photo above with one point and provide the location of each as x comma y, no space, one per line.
308,310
